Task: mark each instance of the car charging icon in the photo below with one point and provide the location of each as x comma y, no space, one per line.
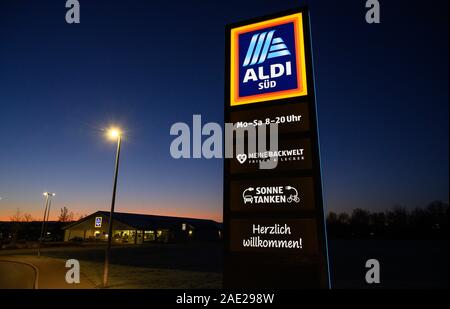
248,198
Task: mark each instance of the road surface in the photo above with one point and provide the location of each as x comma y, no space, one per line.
14,275
20,271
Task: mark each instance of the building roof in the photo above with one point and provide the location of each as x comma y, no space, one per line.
141,221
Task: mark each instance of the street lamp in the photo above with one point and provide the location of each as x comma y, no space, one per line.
115,134
48,202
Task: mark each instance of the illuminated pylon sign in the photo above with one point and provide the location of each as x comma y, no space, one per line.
274,227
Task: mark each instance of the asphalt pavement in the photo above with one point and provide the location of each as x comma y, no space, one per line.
28,272
17,275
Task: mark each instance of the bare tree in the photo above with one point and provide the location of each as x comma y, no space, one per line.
360,217
343,218
27,217
332,218
17,216
65,215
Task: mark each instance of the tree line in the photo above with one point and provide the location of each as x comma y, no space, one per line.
64,216
398,222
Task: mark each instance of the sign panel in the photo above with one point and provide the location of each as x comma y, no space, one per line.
268,60
288,194
286,236
292,154
98,221
289,118
274,227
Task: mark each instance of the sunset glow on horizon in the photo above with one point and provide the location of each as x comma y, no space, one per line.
189,211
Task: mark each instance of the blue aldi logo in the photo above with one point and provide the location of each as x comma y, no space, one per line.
268,61
98,221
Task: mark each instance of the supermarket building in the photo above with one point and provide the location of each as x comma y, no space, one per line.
129,228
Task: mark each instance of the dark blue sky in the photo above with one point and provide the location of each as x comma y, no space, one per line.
382,95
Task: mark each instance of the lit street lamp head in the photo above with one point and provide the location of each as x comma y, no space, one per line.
114,133
49,194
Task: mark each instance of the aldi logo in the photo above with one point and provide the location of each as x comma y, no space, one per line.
98,221
264,46
268,61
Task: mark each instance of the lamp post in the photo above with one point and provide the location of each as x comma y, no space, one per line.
114,134
48,215
48,197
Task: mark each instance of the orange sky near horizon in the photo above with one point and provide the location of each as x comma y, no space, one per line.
188,210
